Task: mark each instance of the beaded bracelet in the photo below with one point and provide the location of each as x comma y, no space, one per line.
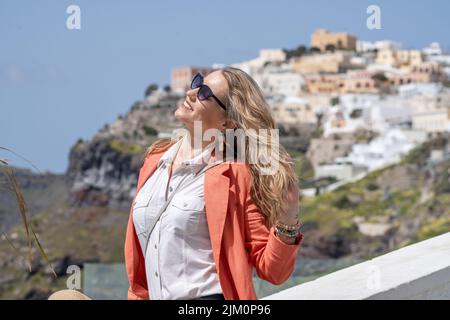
288,227
291,231
287,233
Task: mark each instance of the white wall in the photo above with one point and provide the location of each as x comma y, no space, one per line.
418,271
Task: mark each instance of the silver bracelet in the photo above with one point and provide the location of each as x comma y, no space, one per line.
288,226
287,233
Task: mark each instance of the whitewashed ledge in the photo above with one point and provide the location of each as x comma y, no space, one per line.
417,271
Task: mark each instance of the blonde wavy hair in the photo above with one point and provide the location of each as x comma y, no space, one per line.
248,110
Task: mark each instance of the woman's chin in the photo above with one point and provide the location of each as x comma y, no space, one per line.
182,115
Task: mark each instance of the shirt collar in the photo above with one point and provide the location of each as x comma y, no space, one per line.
195,164
169,155
201,160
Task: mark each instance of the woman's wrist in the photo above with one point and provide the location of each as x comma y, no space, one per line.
289,220
287,230
285,239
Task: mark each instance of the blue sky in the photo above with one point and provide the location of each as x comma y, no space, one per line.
58,85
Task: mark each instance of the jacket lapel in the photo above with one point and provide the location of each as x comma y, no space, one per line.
147,170
217,187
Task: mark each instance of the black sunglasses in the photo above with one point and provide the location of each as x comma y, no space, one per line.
204,92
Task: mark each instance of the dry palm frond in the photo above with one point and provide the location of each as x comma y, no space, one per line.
14,186
23,209
10,242
41,250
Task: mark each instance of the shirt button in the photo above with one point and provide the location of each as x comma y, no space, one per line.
185,204
155,246
156,273
170,189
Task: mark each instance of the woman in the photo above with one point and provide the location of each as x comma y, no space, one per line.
200,223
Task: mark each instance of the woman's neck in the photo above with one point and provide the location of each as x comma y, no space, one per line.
191,146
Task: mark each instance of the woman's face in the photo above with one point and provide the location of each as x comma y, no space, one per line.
207,111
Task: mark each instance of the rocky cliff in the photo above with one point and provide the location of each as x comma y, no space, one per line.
103,171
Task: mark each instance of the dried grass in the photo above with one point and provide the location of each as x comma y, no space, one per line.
13,186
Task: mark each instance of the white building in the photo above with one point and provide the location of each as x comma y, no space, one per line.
392,112
338,171
280,82
435,53
293,110
272,55
338,121
252,67
413,89
430,106
365,46
352,113
434,49
351,101
435,121
383,150
368,111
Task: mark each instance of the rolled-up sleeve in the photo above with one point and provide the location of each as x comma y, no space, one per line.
273,259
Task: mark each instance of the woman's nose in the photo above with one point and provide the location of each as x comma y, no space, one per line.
191,94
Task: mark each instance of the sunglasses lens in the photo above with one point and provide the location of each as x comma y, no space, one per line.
204,93
196,81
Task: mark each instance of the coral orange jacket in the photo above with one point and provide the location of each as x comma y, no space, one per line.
240,237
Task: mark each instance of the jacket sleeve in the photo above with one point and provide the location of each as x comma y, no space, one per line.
273,259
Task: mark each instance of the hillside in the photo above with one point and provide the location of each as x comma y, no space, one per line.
388,209
40,190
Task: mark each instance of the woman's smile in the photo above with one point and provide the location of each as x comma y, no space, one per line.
187,106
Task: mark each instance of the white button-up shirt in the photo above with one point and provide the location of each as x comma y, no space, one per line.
179,262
